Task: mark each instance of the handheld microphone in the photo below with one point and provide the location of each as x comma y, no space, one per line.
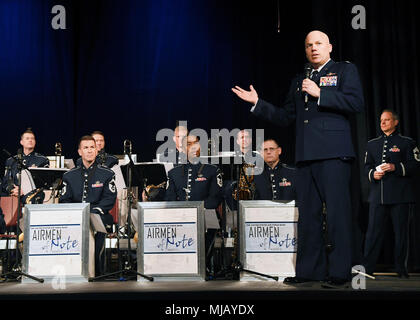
308,71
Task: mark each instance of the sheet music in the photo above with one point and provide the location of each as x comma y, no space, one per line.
135,218
96,223
211,221
119,178
27,183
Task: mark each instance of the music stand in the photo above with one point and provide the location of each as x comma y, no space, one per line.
130,180
231,169
152,173
48,179
17,272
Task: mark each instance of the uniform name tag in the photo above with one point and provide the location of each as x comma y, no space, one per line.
330,81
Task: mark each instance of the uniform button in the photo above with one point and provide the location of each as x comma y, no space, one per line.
306,121
306,109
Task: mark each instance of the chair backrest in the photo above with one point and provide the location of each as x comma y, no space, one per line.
114,212
9,205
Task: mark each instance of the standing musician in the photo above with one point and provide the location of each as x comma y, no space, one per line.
95,184
390,163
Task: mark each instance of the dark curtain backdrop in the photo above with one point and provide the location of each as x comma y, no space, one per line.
132,67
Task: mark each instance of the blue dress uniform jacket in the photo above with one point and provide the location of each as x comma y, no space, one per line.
276,184
33,159
394,187
390,195
195,182
322,131
95,185
323,150
172,155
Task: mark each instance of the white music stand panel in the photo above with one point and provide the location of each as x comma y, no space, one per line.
58,242
171,240
268,238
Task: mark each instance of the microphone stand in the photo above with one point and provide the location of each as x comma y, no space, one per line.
17,269
128,268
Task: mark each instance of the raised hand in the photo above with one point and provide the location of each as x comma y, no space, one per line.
248,96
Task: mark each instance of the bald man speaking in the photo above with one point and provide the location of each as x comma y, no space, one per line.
319,102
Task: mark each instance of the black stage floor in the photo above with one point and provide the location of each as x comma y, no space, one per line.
217,299
384,287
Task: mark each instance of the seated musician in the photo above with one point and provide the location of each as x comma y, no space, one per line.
103,158
278,181
195,181
94,184
233,191
29,158
176,153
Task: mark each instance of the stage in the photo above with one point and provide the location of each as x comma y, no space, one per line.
384,287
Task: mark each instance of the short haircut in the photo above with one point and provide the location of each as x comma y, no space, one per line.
180,128
190,135
393,112
28,130
86,138
271,139
97,132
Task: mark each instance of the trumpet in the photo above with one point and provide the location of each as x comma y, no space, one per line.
128,147
58,149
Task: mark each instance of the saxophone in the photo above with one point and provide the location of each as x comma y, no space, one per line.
152,191
246,185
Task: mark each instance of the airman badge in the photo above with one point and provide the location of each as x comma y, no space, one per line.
219,180
416,154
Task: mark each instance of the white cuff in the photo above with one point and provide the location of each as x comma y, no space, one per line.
99,209
253,107
403,169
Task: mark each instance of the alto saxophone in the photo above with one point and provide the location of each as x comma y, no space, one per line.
246,186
